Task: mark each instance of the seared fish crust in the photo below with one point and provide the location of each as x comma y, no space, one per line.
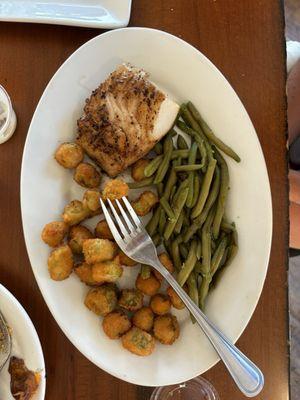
123,119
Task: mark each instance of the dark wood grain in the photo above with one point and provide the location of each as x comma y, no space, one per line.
245,39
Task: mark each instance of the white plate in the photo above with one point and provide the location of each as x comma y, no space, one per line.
25,341
46,187
106,14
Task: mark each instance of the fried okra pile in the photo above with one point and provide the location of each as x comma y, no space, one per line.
138,316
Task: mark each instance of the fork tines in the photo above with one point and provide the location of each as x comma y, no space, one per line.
123,226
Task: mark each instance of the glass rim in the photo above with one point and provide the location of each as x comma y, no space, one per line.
9,111
199,379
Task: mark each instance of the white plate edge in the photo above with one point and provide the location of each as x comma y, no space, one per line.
268,189
16,302
119,23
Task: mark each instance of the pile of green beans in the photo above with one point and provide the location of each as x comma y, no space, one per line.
192,183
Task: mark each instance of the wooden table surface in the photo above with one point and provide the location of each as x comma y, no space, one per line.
245,40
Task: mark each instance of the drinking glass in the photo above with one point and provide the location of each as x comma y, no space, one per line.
195,389
8,120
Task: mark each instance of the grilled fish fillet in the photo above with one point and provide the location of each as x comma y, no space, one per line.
123,119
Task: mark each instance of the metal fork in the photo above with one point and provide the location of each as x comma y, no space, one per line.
5,342
133,239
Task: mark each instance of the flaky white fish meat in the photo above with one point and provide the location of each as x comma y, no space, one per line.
124,118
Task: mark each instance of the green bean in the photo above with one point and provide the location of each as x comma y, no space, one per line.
203,153
213,194
206,252
211,197
178,160
160,189
168,141
191,127
165,204
156,239
162,221
175,252
188,211
224,258
158,148
183,232
179,223
191,161
181,143
153,222
226,226
153,165
171,180
196,190
188,265
210,134
192,131
177,205
199,246
183,185
164,165
140,184
184,251
180,153
213,245
218,255
145,271
224,186
189,200
167,244
221,237
187,168
209,150
192,287
206,242
199,269
206,258
203,290
192,229
186,220
204,192
199,221
189,119
182,176
171,133
231,253
190,185
172,193
193,291
234,236
203,144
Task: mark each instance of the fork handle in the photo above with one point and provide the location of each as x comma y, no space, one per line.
245,373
